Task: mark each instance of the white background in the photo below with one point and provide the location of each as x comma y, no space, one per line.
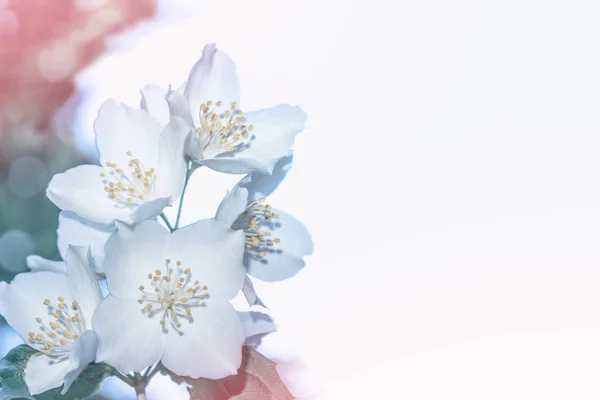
449,174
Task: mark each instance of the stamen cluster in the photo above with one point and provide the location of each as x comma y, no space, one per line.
131,186
172,294
57,337
222,129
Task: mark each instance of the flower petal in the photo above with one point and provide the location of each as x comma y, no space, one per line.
192,148
213,77
179,107
83,283
78,231
250,293
120,129
262,185
148,210
37,264
285,259
232,206
83,353
80,190
214,253
128,339
154,102
234,165
22,301
256,323
44,373
132,253
275,130
172,167
210,346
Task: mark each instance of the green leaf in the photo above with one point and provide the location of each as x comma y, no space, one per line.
84,386
257,379
12,379
11,373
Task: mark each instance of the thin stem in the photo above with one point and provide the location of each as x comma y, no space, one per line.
140,390
140,385
190,170
166,220
119,375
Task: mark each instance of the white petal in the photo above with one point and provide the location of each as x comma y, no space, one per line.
128,339
44,373
172,167
179,107
235,164
22,301
250,293
131,254
120,129
214,253
83,283
81,191
78,231
232,206
213,77
83,353
37,264
192,148
285,259
262,185
148,210
210,346
154,102
256,323
275,130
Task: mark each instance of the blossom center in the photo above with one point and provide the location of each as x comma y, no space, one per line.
258,240
222,129
56,338
172,294
130,186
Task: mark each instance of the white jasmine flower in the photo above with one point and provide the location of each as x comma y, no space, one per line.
76,231
276,242
142,169
169,299
222,136
52,312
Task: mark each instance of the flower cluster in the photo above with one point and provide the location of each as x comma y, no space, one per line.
134,290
